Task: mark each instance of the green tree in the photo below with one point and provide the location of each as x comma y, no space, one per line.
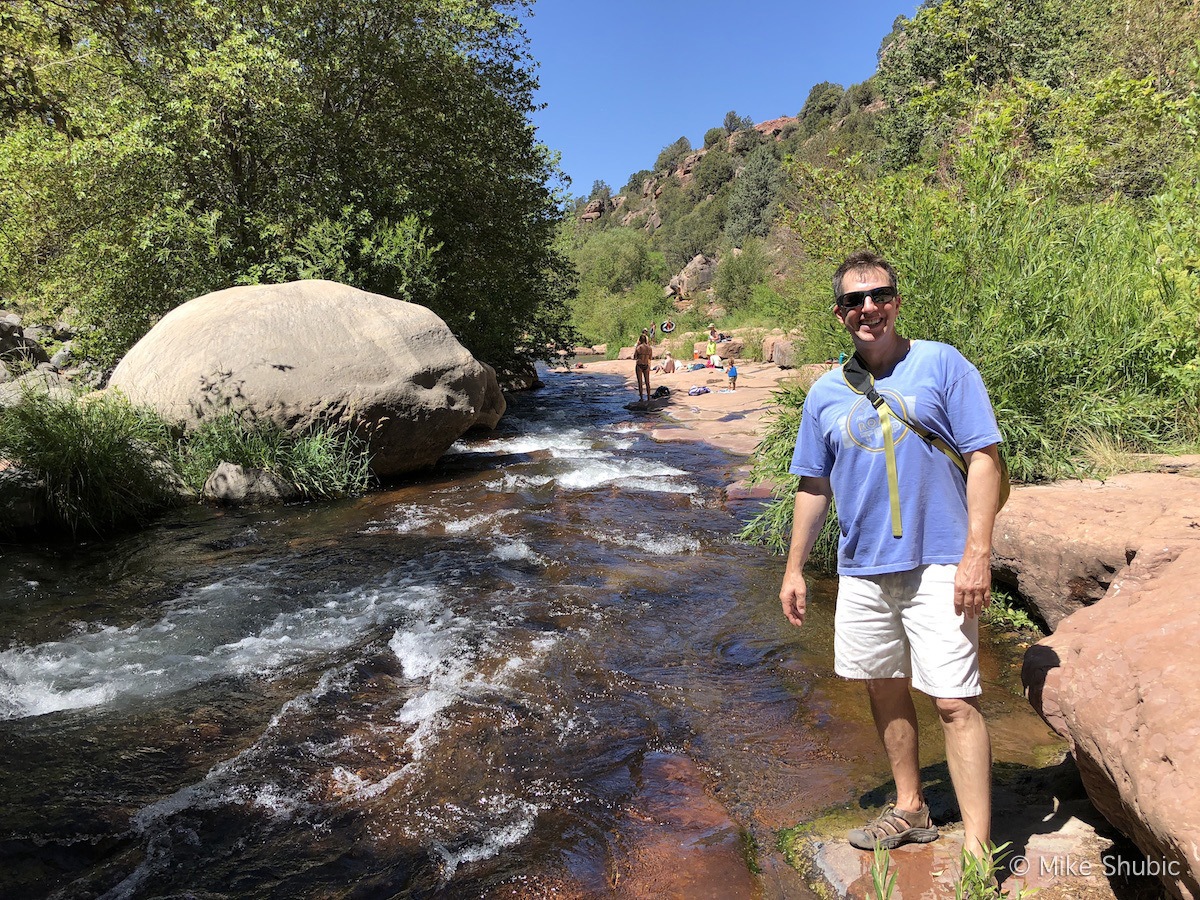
820,107
754,201
385,144
714,170
672,155
738,274
933,67
633,187
618,259
734,122
600,191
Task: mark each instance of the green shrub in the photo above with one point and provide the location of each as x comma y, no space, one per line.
715,136
739,273
617,260
103,462
672,155
714,170
326,463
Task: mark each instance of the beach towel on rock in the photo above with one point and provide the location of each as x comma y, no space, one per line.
697,390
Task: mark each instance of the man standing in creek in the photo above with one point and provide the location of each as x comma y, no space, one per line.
914,556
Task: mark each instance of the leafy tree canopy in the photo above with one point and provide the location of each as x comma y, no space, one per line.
383,143
754,201
820,107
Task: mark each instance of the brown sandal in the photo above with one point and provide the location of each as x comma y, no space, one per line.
894,827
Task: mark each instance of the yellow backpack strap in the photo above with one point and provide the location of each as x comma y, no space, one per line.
861,382
889,452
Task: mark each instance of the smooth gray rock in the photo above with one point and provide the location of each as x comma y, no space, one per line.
234,485
316,353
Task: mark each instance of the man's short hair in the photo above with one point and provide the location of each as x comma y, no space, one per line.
859,261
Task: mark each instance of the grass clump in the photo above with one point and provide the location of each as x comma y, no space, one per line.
1008,612
977,876
98,463
325,463
102,463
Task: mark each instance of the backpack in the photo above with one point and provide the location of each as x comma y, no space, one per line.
860,380
662,391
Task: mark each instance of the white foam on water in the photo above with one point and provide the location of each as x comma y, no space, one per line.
643,474
276,802
448,657
658,487
355,787
522,815
511,483
533,442
662,545
516,551
190,644
403,520
472,523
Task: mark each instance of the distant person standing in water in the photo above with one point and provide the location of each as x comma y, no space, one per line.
642,354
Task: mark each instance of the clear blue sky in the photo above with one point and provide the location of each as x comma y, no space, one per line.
621,79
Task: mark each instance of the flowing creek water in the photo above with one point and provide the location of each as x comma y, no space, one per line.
547,667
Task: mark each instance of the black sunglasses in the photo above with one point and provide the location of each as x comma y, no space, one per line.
855,299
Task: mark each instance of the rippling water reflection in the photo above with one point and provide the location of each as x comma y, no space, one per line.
538,670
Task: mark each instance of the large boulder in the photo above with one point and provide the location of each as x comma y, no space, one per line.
316,353
1061,544
1115,680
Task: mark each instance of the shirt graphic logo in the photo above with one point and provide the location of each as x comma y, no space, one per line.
863,426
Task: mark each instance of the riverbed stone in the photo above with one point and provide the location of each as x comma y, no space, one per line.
313,354
23,505
37,383
234,485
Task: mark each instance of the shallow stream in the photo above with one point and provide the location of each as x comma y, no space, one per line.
488,682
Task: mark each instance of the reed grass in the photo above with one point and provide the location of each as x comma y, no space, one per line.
103,463
327,463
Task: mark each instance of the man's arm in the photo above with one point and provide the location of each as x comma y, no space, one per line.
812,505
973,583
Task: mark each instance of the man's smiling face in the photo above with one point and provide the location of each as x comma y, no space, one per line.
874,323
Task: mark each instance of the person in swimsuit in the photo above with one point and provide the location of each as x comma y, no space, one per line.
642,354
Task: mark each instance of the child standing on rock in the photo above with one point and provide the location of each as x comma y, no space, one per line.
732,373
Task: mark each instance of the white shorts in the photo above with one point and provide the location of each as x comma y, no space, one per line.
902,625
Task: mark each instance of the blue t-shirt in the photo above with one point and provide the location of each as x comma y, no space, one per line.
731,371
840,439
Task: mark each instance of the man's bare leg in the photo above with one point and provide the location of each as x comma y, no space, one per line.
969,757
896,721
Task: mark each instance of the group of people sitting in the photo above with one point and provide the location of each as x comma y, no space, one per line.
643,354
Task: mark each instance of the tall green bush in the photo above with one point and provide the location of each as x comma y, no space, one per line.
1062,307
214,143
739,273
102,463
754,200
